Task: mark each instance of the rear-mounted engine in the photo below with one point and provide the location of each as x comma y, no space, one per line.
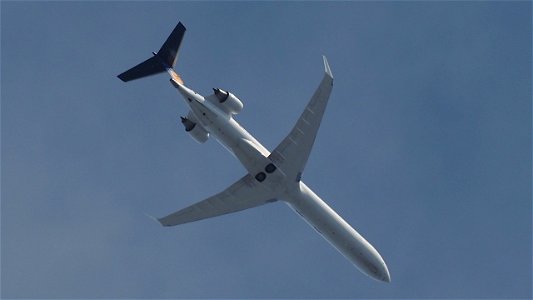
197,132
228,102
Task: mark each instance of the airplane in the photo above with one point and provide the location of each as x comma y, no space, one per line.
270,176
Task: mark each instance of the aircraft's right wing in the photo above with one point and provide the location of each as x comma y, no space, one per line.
243,194
292,153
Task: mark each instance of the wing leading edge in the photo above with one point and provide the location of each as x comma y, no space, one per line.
243,194
292,153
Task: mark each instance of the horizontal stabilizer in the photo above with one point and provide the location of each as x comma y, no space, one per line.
148,67
161,61
170,49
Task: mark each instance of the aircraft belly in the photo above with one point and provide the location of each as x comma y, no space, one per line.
337,232
238,141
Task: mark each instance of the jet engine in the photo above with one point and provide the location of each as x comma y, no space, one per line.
196,130
228,102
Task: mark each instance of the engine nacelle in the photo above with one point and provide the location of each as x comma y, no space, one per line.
228,102
196,130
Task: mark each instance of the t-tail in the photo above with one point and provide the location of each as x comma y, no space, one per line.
162,61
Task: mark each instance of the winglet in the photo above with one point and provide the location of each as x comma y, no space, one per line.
153,218
326,67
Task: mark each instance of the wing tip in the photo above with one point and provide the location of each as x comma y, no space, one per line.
327,69
158,221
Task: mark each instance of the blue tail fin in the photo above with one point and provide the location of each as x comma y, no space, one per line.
164,59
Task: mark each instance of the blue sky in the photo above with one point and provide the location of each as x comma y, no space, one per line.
425,148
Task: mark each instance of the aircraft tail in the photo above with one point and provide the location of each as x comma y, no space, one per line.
163,60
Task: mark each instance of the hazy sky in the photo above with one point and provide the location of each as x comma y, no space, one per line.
425,148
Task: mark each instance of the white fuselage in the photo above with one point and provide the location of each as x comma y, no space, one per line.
297,195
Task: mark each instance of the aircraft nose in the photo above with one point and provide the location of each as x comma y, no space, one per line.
382,272
375,267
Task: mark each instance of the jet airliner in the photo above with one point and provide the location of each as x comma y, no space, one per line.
270,176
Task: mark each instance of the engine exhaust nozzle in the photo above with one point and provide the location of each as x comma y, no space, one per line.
221,95
189,125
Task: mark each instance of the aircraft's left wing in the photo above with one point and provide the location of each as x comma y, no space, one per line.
243,194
